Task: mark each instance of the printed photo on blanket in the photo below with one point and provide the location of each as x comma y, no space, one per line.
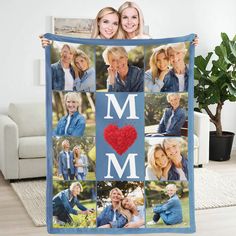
72,67
73,114
167,204
120,204
74,204
74,158
166,159
166,114
167,68
120,68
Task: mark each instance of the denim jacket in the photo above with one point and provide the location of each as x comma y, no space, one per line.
63,168
58,76
62,201
87,82
75,128
133,82
177,122
106,217
173,173
171,81
170,211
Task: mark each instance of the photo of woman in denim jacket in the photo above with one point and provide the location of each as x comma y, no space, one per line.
63,204
114,216
170,211
72,124
173,118
122,77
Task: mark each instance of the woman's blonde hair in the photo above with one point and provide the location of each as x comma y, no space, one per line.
178,47
170,141
140,29
74,184
80,53
121,210
152,161
153,61
176,95
74,152
73,96
114,51
103,12
173,186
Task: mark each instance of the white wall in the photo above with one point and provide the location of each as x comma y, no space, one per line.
22,21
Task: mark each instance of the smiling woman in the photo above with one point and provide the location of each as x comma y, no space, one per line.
122,77
72,124
106,24
132,21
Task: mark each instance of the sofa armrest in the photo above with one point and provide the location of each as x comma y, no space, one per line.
9,142
202,129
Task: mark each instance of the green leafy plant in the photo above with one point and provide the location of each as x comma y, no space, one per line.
216,79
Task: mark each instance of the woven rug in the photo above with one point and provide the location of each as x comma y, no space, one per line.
33,196
212,190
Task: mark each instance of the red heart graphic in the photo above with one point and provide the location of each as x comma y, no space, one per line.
120,138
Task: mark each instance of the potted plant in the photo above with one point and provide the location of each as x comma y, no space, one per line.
215,84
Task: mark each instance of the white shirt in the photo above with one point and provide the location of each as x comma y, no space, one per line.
182,176
69,80
80,168
67,123
68,160
169,121
181,82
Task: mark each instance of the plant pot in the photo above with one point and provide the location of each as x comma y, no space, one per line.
220,146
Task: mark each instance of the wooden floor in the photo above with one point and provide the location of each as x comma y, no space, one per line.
218,222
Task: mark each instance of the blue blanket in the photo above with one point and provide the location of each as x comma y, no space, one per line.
120,135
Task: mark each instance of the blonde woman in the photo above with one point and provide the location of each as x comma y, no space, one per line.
84,73
114,216
158,164
159,67
132,21
173,118
170,211
72,124
80,163
177,78
137,213
106,24
64,202
122,77
179,166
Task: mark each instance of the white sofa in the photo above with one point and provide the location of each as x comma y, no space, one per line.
23,141
201,138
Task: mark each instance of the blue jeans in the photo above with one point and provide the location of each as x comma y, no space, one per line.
80,176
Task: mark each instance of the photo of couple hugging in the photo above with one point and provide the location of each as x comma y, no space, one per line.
71,162
120,204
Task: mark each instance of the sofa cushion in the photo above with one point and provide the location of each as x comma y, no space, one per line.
32,147
195,141
29,117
